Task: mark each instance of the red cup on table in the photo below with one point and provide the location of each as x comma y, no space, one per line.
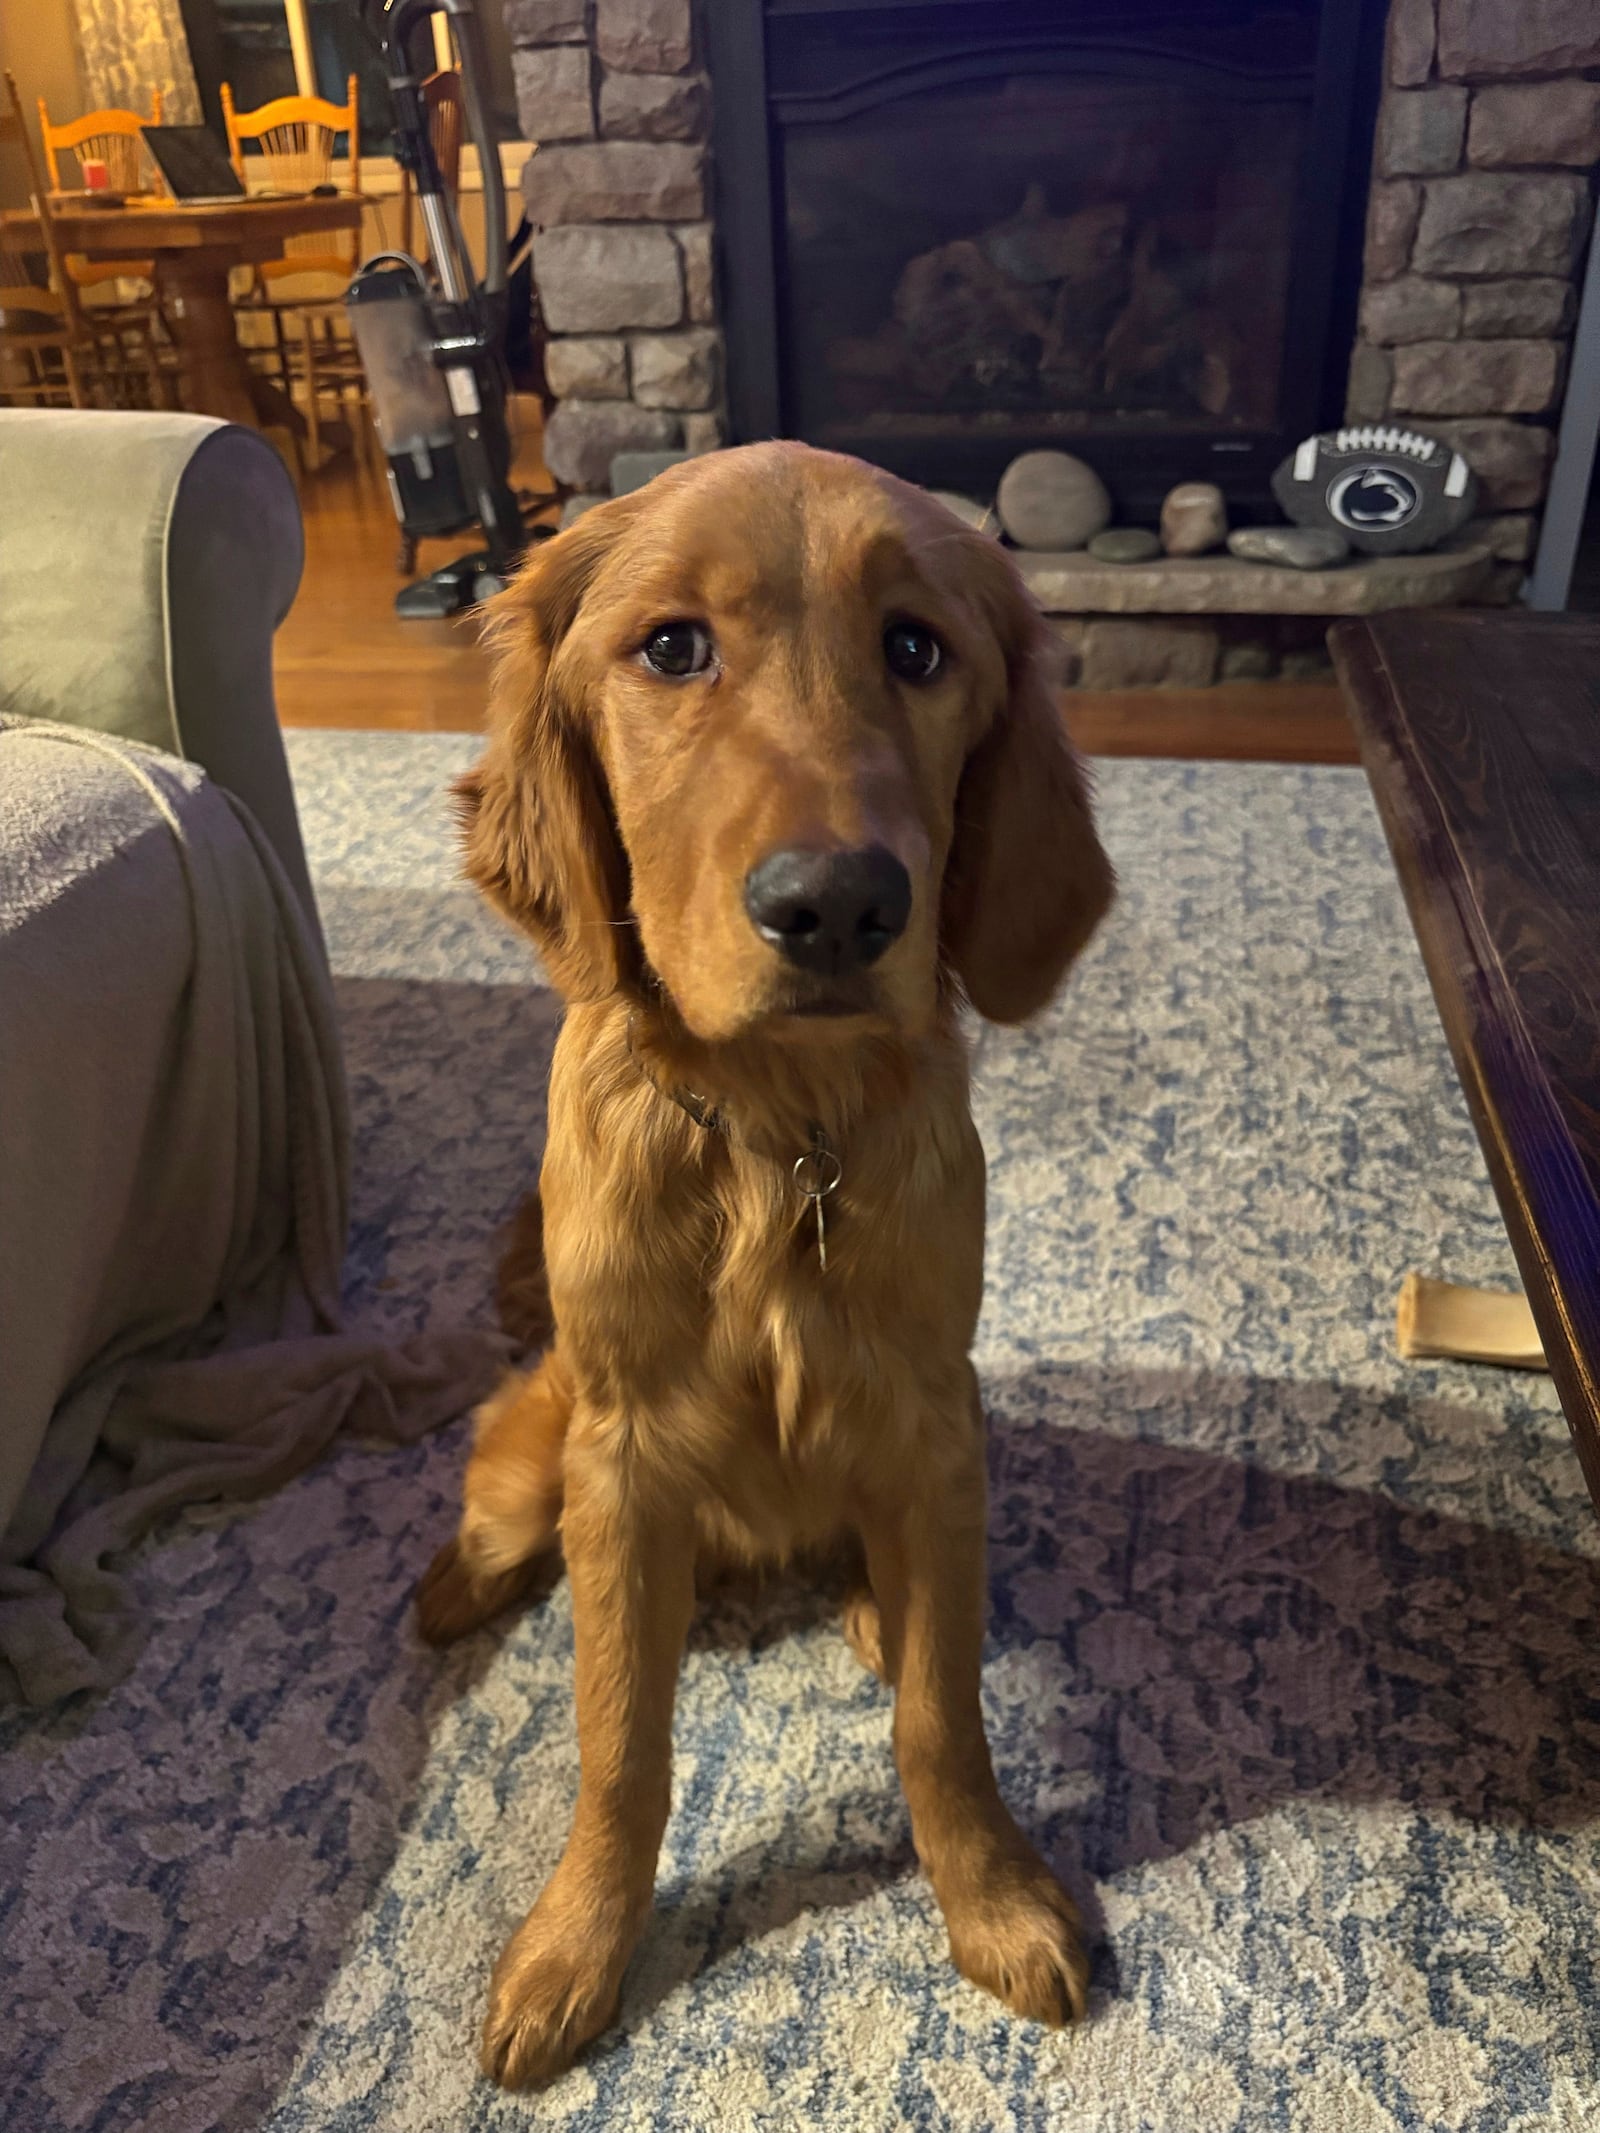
96,176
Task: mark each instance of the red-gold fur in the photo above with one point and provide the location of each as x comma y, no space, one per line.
710,1389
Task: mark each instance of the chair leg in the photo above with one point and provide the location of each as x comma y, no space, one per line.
313,433
74,376
406,561
281,348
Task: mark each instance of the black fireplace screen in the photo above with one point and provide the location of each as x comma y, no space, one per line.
1064,252
952,230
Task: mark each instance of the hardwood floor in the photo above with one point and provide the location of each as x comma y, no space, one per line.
344,658
1247,722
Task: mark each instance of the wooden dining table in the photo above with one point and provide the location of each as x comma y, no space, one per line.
195,249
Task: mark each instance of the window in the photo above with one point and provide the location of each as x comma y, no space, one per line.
268,48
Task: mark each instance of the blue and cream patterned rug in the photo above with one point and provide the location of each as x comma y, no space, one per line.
1294,1654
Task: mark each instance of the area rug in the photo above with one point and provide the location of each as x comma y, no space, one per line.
1293,1654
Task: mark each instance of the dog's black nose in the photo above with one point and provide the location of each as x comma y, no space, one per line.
831,912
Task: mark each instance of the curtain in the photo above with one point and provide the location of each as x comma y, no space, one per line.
130,47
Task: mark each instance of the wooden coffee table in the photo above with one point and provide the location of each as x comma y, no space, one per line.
1480,734
195,249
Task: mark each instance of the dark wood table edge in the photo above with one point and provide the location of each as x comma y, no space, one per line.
1453,936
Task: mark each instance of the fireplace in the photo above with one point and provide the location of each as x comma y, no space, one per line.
953,230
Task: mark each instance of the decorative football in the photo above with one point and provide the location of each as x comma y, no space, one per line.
1389,491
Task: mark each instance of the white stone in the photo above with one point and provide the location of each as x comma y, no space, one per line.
1194,518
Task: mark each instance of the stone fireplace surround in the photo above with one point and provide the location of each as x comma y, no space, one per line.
1487,144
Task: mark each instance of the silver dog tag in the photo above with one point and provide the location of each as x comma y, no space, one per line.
816,1174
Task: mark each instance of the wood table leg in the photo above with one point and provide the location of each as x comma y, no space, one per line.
216,378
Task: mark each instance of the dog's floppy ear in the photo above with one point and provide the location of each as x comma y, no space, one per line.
538,831
1027,881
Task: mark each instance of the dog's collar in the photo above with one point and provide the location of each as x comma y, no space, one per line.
816,1172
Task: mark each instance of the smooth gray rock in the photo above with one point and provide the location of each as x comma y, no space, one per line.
1290,547
1194,518
1125,544
577,507
631,470
1051,500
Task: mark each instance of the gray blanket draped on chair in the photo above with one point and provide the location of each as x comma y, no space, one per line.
174,1169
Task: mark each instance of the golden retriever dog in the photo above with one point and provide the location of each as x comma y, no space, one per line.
777,781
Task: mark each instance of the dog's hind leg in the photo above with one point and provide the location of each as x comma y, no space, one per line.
511,1506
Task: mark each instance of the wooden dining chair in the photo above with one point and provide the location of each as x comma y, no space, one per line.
295,138
115,138
122,351
441,95
46,358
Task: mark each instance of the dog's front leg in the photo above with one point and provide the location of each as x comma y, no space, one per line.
630,1556
1013,1928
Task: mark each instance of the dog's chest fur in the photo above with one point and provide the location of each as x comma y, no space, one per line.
689,1293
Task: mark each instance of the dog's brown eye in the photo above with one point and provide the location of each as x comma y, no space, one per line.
913,651
678,649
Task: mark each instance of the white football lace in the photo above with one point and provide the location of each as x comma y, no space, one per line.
1377,437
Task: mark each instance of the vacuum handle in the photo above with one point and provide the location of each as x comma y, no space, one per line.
468,30
393,21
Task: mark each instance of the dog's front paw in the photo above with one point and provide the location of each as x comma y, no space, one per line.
1017,1935
549,1995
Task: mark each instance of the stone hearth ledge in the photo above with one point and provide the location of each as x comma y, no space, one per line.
1076,584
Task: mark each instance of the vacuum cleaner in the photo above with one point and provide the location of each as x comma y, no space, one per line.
431,339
